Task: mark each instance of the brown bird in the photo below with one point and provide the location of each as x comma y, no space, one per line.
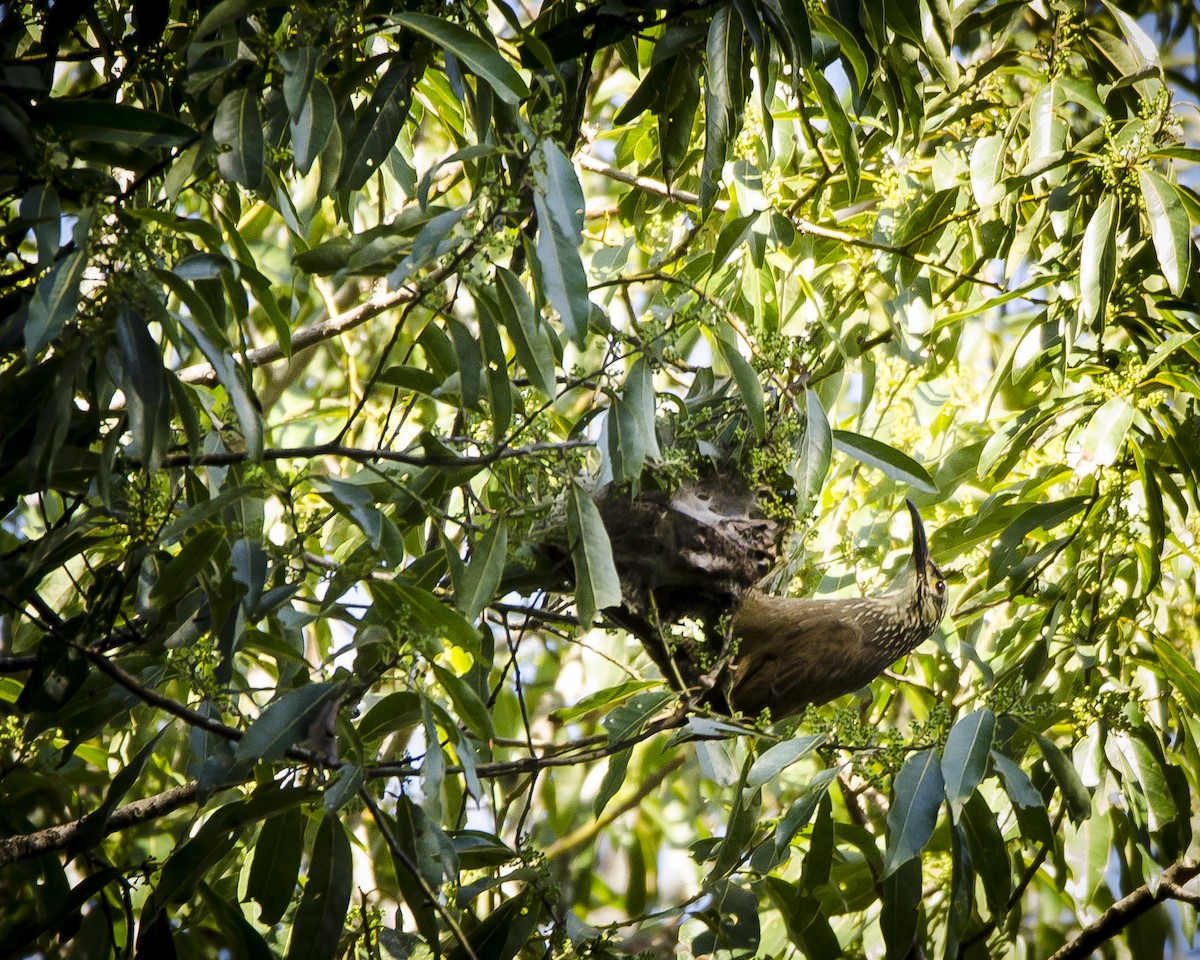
794,652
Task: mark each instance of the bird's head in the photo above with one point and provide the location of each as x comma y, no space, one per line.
923,581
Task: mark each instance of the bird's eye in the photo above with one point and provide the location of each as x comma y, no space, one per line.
940,586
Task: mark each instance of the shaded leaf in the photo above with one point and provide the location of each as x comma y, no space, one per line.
480,57
965,757
918,794
596,583
238,131
1098,260
321,916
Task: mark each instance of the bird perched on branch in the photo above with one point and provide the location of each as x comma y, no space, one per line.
794,652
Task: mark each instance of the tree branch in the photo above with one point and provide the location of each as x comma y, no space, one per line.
1122,913
28,845
371,454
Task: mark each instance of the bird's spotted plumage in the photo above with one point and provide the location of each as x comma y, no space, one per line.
795,652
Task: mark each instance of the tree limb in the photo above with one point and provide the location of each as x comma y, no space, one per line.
25,846
1122,913
371,454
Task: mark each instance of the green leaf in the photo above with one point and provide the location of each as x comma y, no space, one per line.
379,122
1143,773
596,583
558,200
238,132
179,575
40,209
724,95
814,452
1075,794
988,853
1180,671
54,302
894,464
437,617
483,572
480,57
918,794
147,390
779,757
533,341
839,125
746,379
1098,260
229,374
1104,437
900,909
276,863
613,780
1169,229
106,122
313,125
285,722
503,932
987,170
91,828
1045,516
321,916
1087,849
965,757
398,713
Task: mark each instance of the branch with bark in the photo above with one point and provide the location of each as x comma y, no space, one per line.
1122,913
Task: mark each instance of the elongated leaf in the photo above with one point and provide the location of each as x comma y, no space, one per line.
482,575
379,122
1169,229
596,583
965,757
1075,794
839,125
781,756
284,723
900,909
1180,671
276,864
894,464
1104,438
313,125
988,852
228,373
724,95
238,131
147,390
1045,516
1098,260
321,916
91,829
533,341
558,200
41,209
480,57
813,453
987,170
746,379
54,302
918,794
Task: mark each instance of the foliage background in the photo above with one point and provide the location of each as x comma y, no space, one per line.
317,318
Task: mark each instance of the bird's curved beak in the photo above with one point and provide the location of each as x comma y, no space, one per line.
920,542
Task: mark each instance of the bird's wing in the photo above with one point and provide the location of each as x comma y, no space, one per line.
788,665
